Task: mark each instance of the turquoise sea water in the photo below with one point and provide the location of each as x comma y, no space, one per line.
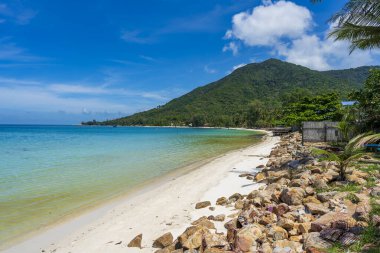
47,172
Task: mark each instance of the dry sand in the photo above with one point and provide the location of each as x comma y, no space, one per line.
167,207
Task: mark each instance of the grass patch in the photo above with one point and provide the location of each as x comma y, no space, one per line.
336,248
371,169
353,198
371,182
347,188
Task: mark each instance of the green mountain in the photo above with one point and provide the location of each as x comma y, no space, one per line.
224,102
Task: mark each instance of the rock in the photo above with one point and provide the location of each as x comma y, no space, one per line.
315,250
326,196
299,183
192,237
202,204
135,242
304,228
281,209
232,224
311,199
287,224
362,212
375,192
376,220
215,241
320,184
211,208
331,234
235,197
316,170
357,180
343,223
221,201
204,222
266,248
277,233
313,240
239,204
314,208
348,239
268,218
219,217
292,196
246,238
309,191
163,241
286,246
260,176
296,238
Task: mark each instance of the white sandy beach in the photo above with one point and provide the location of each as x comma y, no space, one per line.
167,207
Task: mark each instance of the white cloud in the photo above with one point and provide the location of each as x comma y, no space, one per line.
17,13
238,66
45,97
285,27
269,23
323,54
233,47
209,70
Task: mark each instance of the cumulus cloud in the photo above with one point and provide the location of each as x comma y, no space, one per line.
286,29
233,47
269,23
324,53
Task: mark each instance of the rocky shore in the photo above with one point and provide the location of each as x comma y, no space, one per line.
301,208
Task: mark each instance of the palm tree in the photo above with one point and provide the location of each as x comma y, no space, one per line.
352,152
358,22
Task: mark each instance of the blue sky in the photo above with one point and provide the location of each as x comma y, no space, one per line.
62,62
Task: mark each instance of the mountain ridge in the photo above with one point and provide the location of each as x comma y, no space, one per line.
269,82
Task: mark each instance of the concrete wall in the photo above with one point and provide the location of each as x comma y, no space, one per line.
320,131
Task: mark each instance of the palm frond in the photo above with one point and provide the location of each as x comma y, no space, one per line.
358,22
366,139
327,155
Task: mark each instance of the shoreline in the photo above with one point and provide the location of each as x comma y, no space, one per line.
40,239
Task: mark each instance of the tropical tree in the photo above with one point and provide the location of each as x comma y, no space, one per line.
359,23
353,151
369,102
316,108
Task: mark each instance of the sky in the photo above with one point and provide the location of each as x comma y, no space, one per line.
63,62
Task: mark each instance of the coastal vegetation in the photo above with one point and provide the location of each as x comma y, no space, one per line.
263,94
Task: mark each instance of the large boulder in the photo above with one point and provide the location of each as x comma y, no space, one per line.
204,222
277,233
215,241
135,242
326,196
286,246
246,238
293,196
192,237
221,201
202,204
315,208
313,240
163,241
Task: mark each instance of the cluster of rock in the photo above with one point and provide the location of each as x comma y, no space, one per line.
292,213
